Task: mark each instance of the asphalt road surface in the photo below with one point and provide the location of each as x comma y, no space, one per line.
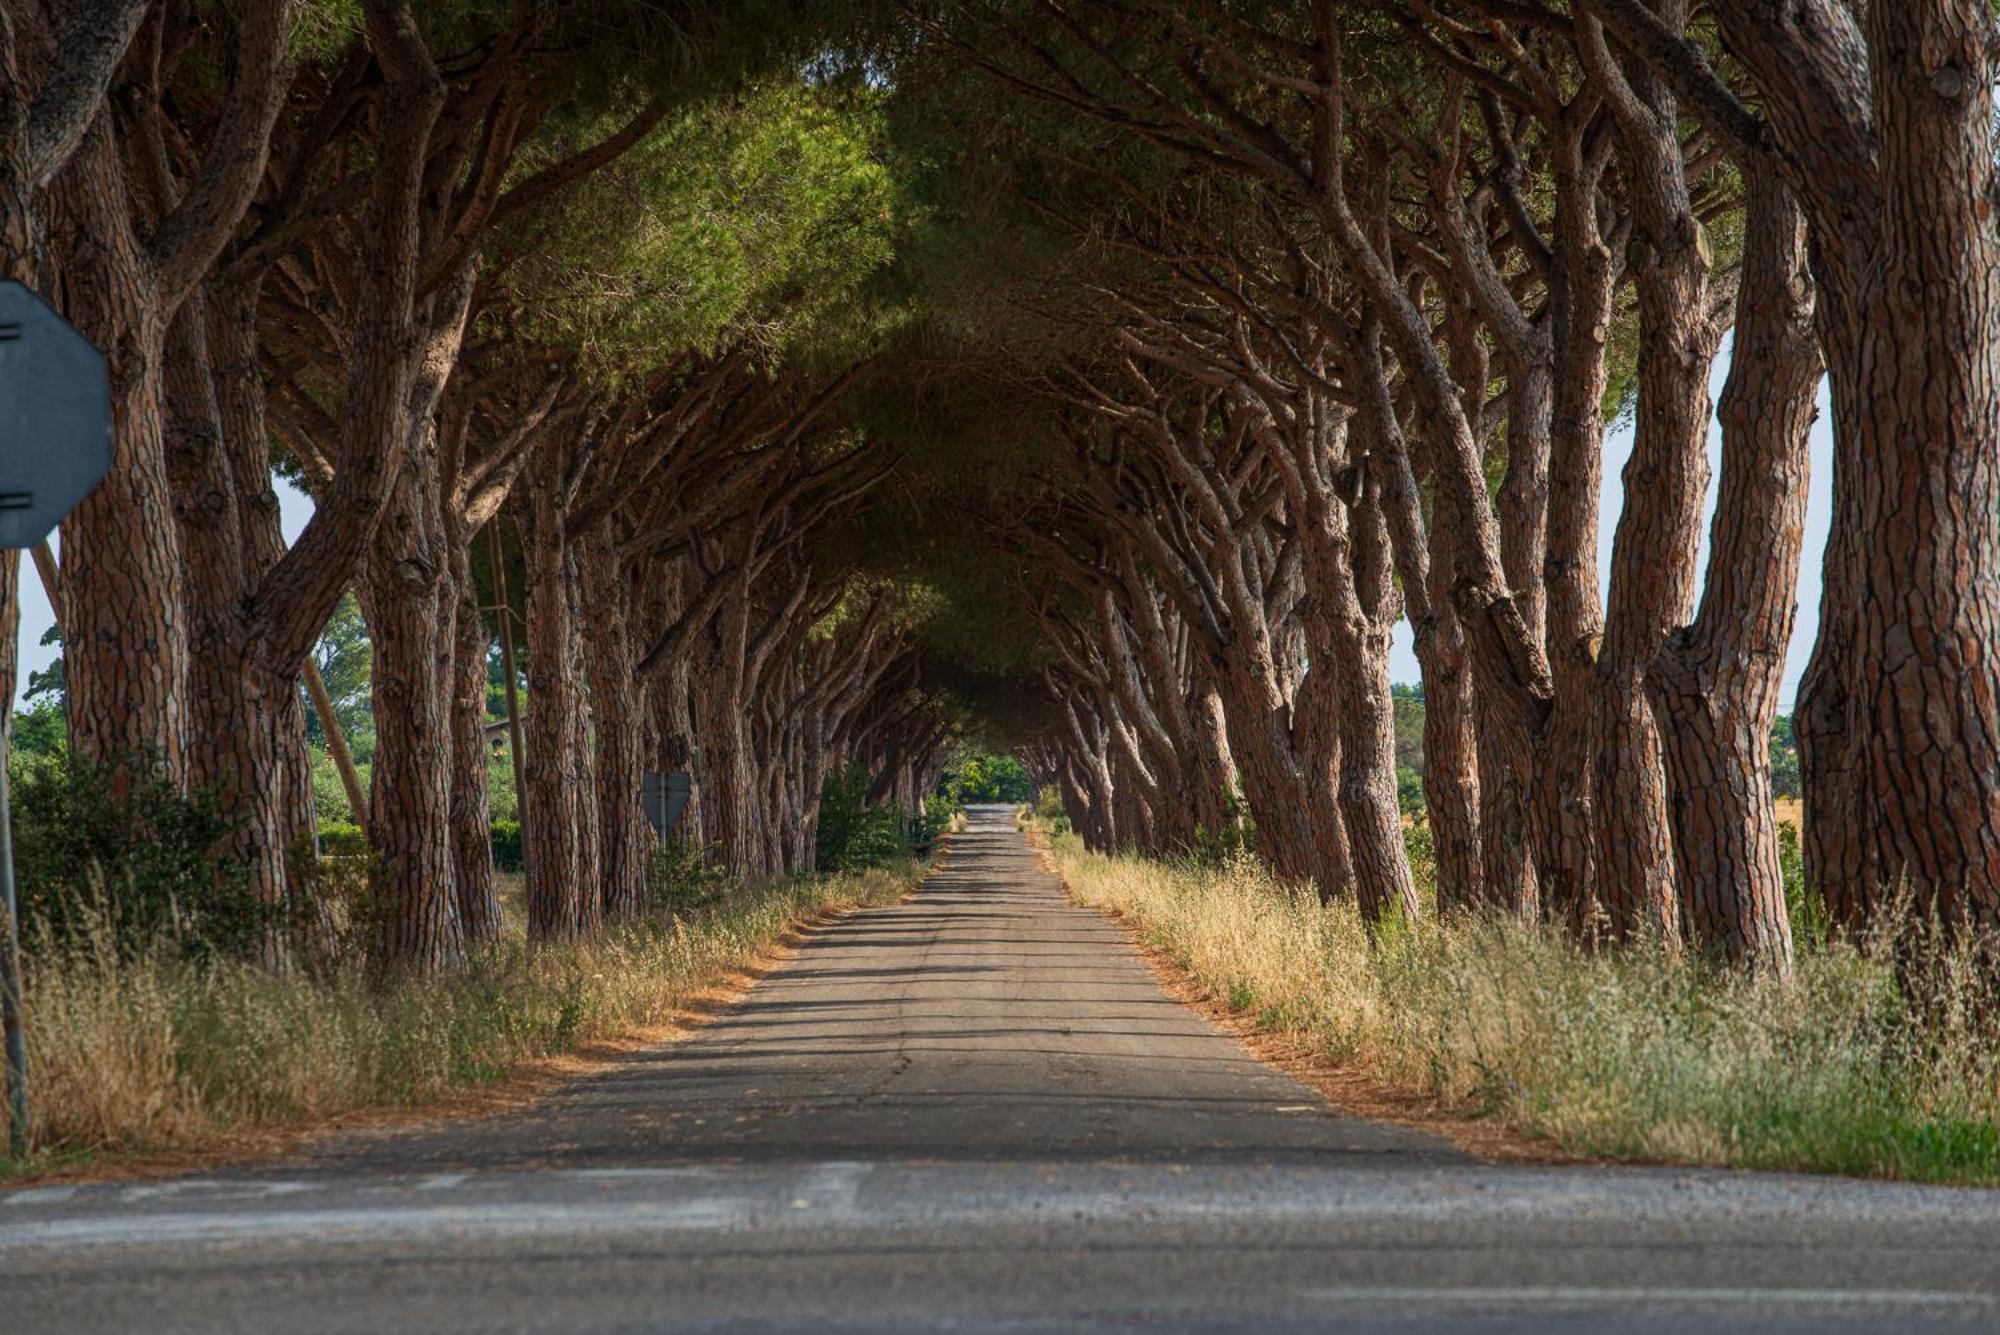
975,1112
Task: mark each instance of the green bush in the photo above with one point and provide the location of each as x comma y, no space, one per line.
337,839
120,855
507,845
990,778
681,880
851,835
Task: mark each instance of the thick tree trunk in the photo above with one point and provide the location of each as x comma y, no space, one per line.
1653,557
1561,806
1505,845
729,791
1260,743
410,631
1211,768
1348,572
125,655
1452,773
626,841
1369,812
471,808
1922,703
1716,685
559,793
246,729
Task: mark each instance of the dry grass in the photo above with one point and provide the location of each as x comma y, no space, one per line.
1617,1054
139,1056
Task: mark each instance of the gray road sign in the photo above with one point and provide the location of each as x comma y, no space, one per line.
665,798
55,417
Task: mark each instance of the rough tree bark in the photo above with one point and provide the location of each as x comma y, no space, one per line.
1716,683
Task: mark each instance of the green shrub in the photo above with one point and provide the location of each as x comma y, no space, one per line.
338,839
681,879
507,845
990,778
119,855
852,835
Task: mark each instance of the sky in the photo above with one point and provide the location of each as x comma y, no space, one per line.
36,616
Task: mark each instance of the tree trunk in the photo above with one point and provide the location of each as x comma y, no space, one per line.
246,728
1653,557
1923,704
1716,685
1561,810
729,790
1211,768
626,841
125,655
559,794
410,604
471,809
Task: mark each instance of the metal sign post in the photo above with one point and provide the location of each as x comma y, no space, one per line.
55,443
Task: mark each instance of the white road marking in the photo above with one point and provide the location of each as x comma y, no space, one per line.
361,1224
832,1187
443,1181
1578,1295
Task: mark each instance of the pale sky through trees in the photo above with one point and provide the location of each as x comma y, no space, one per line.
36,616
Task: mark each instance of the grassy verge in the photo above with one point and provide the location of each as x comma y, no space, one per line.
1622,1054
157,1054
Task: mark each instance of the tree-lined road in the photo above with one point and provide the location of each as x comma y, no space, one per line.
975,1110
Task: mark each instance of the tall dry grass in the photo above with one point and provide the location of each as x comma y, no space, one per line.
1624,1053
160,1052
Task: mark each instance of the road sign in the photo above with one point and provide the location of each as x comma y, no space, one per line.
55,443
665,798
55,417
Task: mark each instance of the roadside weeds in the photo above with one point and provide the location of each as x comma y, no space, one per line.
151,1067
1517,1045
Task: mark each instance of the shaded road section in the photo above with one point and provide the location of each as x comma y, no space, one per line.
976,1110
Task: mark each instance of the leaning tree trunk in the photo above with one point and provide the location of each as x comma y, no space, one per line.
1211,768
1260,741
1716,685
1505,843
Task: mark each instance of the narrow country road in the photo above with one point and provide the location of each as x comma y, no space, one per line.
975,1111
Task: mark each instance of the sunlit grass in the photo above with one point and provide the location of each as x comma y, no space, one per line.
1621,1053
157,1053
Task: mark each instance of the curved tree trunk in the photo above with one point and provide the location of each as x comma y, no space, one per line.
1716,685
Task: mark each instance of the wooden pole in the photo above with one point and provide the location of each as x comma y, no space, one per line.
45,566
336,744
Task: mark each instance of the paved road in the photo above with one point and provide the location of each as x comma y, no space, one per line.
975,1111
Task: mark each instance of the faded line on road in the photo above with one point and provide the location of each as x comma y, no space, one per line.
1566,1295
